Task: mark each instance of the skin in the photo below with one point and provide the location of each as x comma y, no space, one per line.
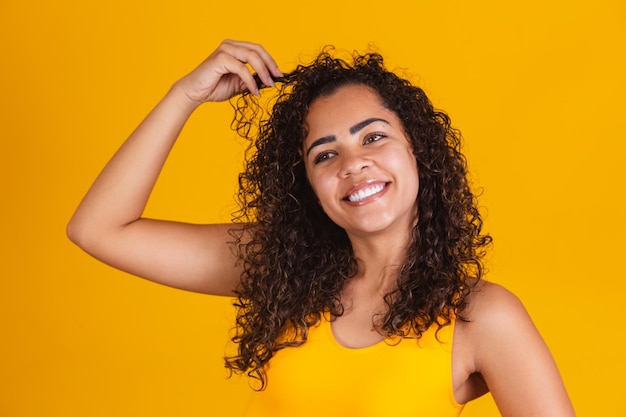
352,160
353,143
364,149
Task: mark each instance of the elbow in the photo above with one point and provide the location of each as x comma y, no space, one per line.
79,233
73,231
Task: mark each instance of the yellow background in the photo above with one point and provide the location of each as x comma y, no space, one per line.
537,89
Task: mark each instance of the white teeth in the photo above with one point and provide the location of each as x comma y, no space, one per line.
366,192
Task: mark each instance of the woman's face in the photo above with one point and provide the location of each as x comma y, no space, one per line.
360,162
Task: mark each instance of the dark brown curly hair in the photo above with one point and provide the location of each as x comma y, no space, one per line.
296,260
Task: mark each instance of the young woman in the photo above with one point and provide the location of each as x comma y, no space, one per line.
355,257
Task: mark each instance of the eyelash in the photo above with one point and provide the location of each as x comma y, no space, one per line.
369,138
321,157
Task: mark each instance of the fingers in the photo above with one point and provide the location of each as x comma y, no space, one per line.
258,58
228,72
267,59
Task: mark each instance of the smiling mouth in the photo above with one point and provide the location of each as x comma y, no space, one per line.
366,192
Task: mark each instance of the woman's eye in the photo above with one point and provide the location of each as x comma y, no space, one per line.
373,137
322,157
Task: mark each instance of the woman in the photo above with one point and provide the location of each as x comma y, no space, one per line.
355,257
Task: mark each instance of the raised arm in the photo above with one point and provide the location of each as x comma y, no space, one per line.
108,223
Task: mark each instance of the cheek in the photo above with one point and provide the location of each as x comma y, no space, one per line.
404,162
416,180
323,189
311,180
317,184
408,167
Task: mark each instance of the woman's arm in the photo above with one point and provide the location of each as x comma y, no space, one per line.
512,357
108,223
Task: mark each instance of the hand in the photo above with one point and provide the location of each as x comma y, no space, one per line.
225,74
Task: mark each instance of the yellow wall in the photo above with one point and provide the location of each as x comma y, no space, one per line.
536,87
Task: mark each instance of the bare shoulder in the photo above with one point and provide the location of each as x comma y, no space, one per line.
495,316
507,350
492,304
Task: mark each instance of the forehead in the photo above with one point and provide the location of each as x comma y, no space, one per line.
352,94
344,107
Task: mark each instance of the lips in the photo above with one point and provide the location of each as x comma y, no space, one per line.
361,193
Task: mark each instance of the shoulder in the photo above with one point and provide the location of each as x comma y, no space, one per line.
494,315
492,304
506,349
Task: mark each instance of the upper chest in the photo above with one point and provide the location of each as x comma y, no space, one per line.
361,381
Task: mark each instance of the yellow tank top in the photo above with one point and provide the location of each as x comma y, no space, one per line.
323,378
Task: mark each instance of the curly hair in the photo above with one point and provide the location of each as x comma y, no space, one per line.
296,260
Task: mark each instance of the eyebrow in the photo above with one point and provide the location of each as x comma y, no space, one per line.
354,129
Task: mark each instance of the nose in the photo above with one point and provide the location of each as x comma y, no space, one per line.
354,162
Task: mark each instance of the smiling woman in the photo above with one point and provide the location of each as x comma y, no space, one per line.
356,261
362,170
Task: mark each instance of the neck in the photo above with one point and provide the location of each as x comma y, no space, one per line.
379,260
